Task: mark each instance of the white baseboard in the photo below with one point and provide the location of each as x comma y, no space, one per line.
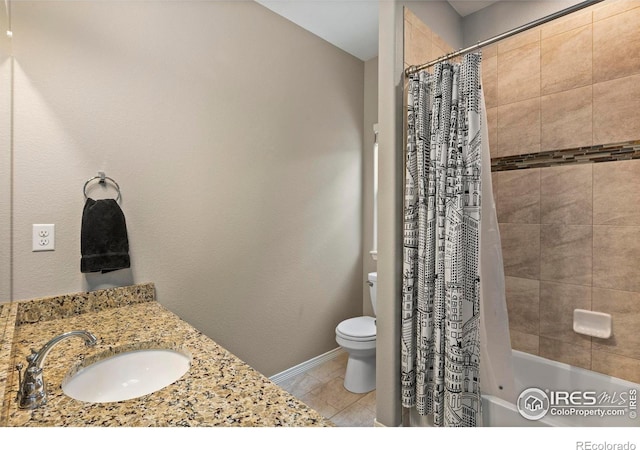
306,366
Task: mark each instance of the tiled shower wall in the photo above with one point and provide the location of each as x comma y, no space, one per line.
570,240
570,233
420,43
573,82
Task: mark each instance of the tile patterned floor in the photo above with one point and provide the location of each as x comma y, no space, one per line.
322,389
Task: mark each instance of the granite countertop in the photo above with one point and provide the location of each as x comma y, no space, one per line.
218,390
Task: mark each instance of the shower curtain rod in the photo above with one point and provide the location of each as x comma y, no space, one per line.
413,69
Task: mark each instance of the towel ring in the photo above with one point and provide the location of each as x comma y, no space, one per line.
102,180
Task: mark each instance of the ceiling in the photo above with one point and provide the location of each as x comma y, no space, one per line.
351,25
464,8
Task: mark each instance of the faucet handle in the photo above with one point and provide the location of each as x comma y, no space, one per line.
32,392
19,369
32,356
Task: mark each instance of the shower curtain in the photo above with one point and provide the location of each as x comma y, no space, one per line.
441,290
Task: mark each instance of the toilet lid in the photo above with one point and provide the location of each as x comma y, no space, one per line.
358,327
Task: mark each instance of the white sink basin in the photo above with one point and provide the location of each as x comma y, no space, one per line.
126,375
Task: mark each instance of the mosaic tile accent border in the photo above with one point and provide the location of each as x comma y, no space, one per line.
580,155
64,306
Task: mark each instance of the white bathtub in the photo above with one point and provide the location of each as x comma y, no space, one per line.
534,371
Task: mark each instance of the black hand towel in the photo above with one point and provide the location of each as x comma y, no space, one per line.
103,238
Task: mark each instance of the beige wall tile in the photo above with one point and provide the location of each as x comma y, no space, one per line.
437,52
616,366
519,74
616,252
575,355
418,48
565,60
519,196
525,342
566,23
423,50
407,42
521,250
566,194
557,302
519,40
616,46
421,27
519,128
490,81
523,297
566,119
489,51
612,7
624,308
492,123
566,253
616,193
410,15
616,110
441,43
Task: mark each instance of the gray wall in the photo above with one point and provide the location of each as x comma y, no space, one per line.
5,158
390,53
236,138
370,118
438,16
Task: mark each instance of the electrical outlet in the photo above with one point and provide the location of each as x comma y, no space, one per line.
44,237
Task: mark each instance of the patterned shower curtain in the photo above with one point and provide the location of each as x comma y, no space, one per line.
441,282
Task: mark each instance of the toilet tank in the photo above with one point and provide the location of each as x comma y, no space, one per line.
373,284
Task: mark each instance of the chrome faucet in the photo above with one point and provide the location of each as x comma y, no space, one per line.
31,390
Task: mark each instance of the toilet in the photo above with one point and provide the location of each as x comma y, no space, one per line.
358,337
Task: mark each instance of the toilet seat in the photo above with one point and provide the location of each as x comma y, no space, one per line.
357,329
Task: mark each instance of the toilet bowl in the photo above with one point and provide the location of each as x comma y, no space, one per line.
358,337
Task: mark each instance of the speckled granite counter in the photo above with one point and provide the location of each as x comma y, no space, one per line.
218,390
8,314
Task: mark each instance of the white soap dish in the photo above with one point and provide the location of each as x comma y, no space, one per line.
592,323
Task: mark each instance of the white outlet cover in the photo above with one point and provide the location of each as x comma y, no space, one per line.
44,237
